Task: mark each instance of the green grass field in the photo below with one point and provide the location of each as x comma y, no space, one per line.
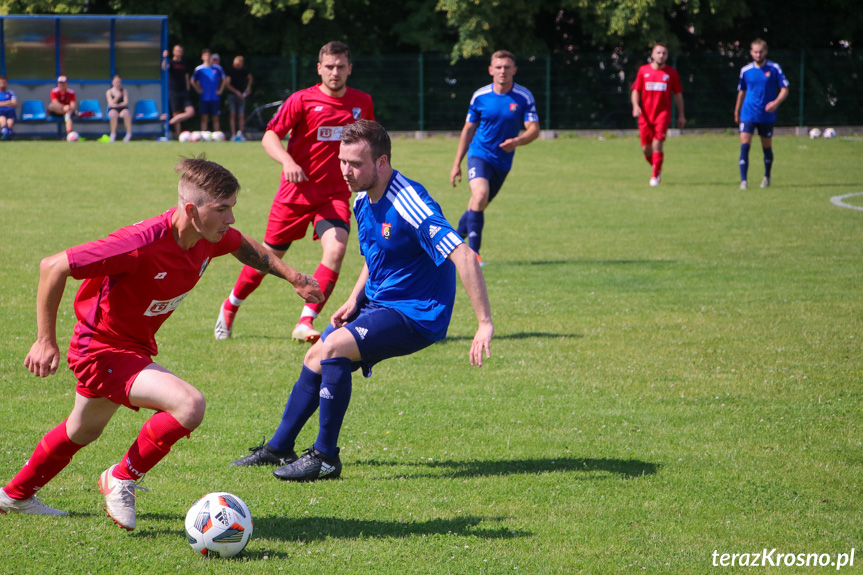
676,372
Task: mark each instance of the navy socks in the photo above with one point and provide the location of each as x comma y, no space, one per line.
301,405
335,396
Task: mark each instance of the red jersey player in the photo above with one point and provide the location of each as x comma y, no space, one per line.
651,104
133,280
62,103
312,190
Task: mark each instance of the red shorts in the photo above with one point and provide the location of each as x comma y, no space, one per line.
108,373
655,130
289,222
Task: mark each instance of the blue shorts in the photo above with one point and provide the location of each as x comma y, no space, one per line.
381,333
8,113
765,129
210,107
479,168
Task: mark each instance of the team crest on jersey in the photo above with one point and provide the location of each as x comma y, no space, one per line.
665,78
767,73
161,307
387,231
204,267
513,107
358,113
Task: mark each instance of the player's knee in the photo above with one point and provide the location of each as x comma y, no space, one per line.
191,413
85,433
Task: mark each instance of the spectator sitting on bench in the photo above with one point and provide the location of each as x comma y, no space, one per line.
63,102
8,103
118,107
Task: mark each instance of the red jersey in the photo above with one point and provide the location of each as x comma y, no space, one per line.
315,122
64,98
655,88
133,280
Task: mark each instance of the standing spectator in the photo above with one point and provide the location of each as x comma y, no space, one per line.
118,107
489,138
401,303
209,81
179,86
63,102
312,189
133,280
8,103
651,96
239,88
762,87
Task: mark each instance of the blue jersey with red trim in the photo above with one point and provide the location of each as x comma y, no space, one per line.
500,117
762,85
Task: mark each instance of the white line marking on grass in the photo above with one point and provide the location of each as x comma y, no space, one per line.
837,201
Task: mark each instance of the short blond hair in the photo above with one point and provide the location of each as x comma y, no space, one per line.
503,54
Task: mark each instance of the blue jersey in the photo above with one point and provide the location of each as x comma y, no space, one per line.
6,95
406,242
210,78
761,85
500,117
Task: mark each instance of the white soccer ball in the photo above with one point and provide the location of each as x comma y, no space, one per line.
829,133
72,137
218,136
814,133
195,137
219,525
207,136
185,136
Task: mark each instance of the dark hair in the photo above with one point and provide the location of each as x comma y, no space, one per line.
371,133
201,179
663,44
334,48
504,54
206,51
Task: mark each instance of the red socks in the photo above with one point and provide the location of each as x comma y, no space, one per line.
154,442
53,453
656,162
248,282
327,279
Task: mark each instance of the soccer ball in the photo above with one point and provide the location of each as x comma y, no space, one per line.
185,136
207,135
218,136
195,137
814,133
72,137
829,133
219,525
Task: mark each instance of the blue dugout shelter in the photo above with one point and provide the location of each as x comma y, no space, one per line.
89,50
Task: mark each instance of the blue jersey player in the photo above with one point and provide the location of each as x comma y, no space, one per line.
490,135
761,89
401,303
209,81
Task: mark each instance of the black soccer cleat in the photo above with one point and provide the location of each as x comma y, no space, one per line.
263,455
311,466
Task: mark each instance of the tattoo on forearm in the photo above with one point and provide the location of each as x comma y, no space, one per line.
259,259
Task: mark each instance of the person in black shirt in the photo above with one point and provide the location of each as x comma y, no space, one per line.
178,88
239,87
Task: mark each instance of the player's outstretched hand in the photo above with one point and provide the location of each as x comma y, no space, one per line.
43,359
480,344
340,317
308,289
455,173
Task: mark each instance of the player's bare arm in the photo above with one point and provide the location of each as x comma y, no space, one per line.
681,118
737,106
471,277
467,134
774,105
531,132
44,355
273,146
341,315
635,98
257,256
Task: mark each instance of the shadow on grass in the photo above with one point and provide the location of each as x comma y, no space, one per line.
581,262
523,335
626,468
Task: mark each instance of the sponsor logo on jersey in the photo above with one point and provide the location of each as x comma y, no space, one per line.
655,86
204,267
362,331
433,230
387,231
318,108
513,107
330,133
358,113
160,276
161,307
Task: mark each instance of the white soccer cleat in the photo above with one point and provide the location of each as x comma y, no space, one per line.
655,181
224,324
30,506
765,183
119,498
306,333
743,185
